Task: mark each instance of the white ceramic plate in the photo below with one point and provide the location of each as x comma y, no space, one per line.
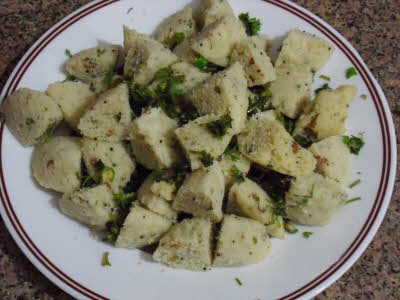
69,255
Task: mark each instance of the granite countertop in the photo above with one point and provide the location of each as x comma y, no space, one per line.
372,27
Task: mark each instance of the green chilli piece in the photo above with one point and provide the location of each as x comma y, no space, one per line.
107,174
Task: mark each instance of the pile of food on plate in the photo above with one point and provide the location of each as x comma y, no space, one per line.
192,140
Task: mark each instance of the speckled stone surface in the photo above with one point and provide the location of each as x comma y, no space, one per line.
372,27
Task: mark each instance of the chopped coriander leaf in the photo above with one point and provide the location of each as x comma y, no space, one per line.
324,87
107,174
164,73
238,281
350,72
252,25
255,240
68,53
307,234
303,141
354,143
204,65
289,124
179,37
108,79
29,121
290,228
353,199
279,116
206,159
100,52
220,127
261,102
232,150
324,77
104,260
129,10
201,62
70,78
354,183
237,174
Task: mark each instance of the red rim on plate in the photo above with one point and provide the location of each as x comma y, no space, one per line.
291,8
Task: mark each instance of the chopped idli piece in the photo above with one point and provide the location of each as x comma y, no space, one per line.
56,164
215,42
93,62
265,141
187,245
90,206
142,227
326,115
31,116
152,140
314,200
241,241
110,118
73,98
201,193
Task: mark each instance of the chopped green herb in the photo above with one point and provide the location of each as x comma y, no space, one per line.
238,281
354,183
354,143
129,10
70,78
303,141
179,37
324,77
255,240
324,87
68,53
123,200
104,260
107,174
47,134
307,234
232,151
164,73
100,52
353,199
253,25
204,65
220,127
237,174
133,116
201,62
350,72
279,116
290,228
259,103
306,198
108,79
29,121
206,159
289,124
